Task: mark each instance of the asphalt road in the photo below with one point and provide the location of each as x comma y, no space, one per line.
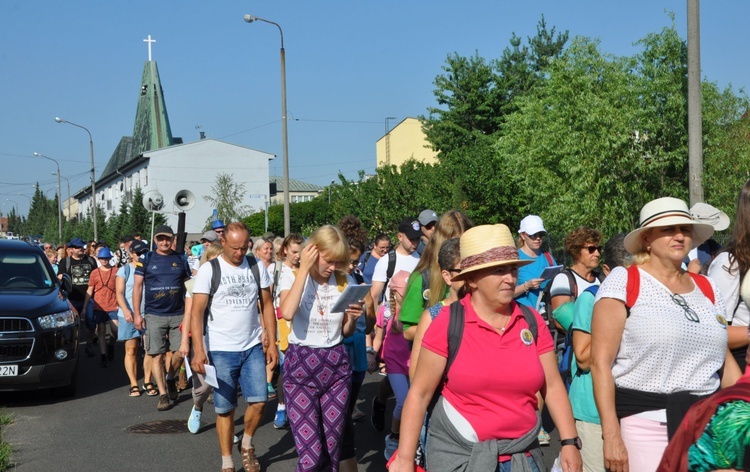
90,431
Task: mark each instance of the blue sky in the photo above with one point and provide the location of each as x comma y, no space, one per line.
350,64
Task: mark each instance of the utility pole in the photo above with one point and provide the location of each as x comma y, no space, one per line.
695,125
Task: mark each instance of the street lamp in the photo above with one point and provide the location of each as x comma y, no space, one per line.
93,172
68,181
59,197
285,147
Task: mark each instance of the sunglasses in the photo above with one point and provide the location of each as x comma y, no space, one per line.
538,235
689,313
593,249
354,262
429,225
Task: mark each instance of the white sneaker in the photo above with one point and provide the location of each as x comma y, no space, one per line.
194,421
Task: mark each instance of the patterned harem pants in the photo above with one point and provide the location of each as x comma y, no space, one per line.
317,385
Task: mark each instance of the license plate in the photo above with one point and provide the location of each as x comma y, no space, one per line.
8,370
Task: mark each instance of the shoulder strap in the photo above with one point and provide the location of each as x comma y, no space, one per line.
455,334
425,273
391,266
366,258
276,274
633,286
572,284
593,289
530,319
215,280
550,260
256,275
702,282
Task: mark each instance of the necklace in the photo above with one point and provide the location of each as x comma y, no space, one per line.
322,309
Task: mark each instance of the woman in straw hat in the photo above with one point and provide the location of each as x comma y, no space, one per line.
658,341
488,407
729,270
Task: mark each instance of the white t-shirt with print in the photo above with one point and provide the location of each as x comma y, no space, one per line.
309,327
661,350
234,324
380,273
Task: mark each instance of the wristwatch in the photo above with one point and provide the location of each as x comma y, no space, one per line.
576,441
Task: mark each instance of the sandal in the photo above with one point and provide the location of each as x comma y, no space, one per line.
150,389
135,391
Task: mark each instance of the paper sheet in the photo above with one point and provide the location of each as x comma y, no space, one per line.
351,294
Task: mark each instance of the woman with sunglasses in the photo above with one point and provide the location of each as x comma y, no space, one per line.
583,245
531,237
658,339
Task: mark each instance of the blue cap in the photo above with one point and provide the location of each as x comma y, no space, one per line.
217,224
104,253
76,242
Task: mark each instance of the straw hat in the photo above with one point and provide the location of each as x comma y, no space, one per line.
666,211
487,246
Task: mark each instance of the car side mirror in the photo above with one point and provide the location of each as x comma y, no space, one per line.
66,284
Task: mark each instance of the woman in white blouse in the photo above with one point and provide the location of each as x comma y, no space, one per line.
652,359
729,271
317,373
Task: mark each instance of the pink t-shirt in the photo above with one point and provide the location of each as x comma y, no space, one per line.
396,351
494,379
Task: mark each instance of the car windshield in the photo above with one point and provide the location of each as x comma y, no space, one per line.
24,270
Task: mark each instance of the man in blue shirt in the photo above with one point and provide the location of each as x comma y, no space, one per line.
162,273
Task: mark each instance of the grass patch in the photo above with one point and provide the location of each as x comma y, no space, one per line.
5,448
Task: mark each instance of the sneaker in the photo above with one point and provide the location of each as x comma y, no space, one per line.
164,403
249,461
110,352
280,421
237,438
357,414
103,361
172,389
543,438
391,445
89,351
194,421
377,417
271,392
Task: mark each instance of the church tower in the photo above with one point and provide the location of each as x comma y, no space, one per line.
151,130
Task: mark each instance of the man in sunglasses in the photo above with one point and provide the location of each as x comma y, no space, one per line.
428,220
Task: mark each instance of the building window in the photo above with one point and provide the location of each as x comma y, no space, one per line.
109,204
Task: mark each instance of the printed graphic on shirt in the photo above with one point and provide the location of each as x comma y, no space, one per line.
80,274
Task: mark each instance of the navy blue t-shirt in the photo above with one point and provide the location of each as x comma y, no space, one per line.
163,281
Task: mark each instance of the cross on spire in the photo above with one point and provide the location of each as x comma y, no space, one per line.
149,41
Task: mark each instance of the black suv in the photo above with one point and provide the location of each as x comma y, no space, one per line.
38,325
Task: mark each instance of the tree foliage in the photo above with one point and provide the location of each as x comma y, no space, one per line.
226,197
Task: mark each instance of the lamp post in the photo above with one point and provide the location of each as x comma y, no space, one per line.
68,181
59,197
93,172
285,147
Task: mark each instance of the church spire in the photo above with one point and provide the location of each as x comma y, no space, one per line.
151,130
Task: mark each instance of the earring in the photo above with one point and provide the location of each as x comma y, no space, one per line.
648,249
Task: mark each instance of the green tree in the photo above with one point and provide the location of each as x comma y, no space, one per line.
140,218
227,197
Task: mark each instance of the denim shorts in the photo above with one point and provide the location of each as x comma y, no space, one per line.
246,369
99,316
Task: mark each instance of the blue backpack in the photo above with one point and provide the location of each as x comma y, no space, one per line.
567,354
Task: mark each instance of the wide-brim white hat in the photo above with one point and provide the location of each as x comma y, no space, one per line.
487,246
666,211
705,213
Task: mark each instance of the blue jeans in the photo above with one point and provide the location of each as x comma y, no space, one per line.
246,369
505,466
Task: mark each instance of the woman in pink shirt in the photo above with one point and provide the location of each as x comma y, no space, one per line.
486,419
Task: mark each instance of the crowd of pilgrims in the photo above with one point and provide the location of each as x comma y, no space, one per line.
633,347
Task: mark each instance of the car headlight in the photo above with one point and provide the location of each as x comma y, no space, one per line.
58,320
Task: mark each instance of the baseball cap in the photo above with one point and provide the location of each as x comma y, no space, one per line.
139,247
76,242
427,217
164,230
399,281
210,236
104,253
217,224
411,228
532,224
